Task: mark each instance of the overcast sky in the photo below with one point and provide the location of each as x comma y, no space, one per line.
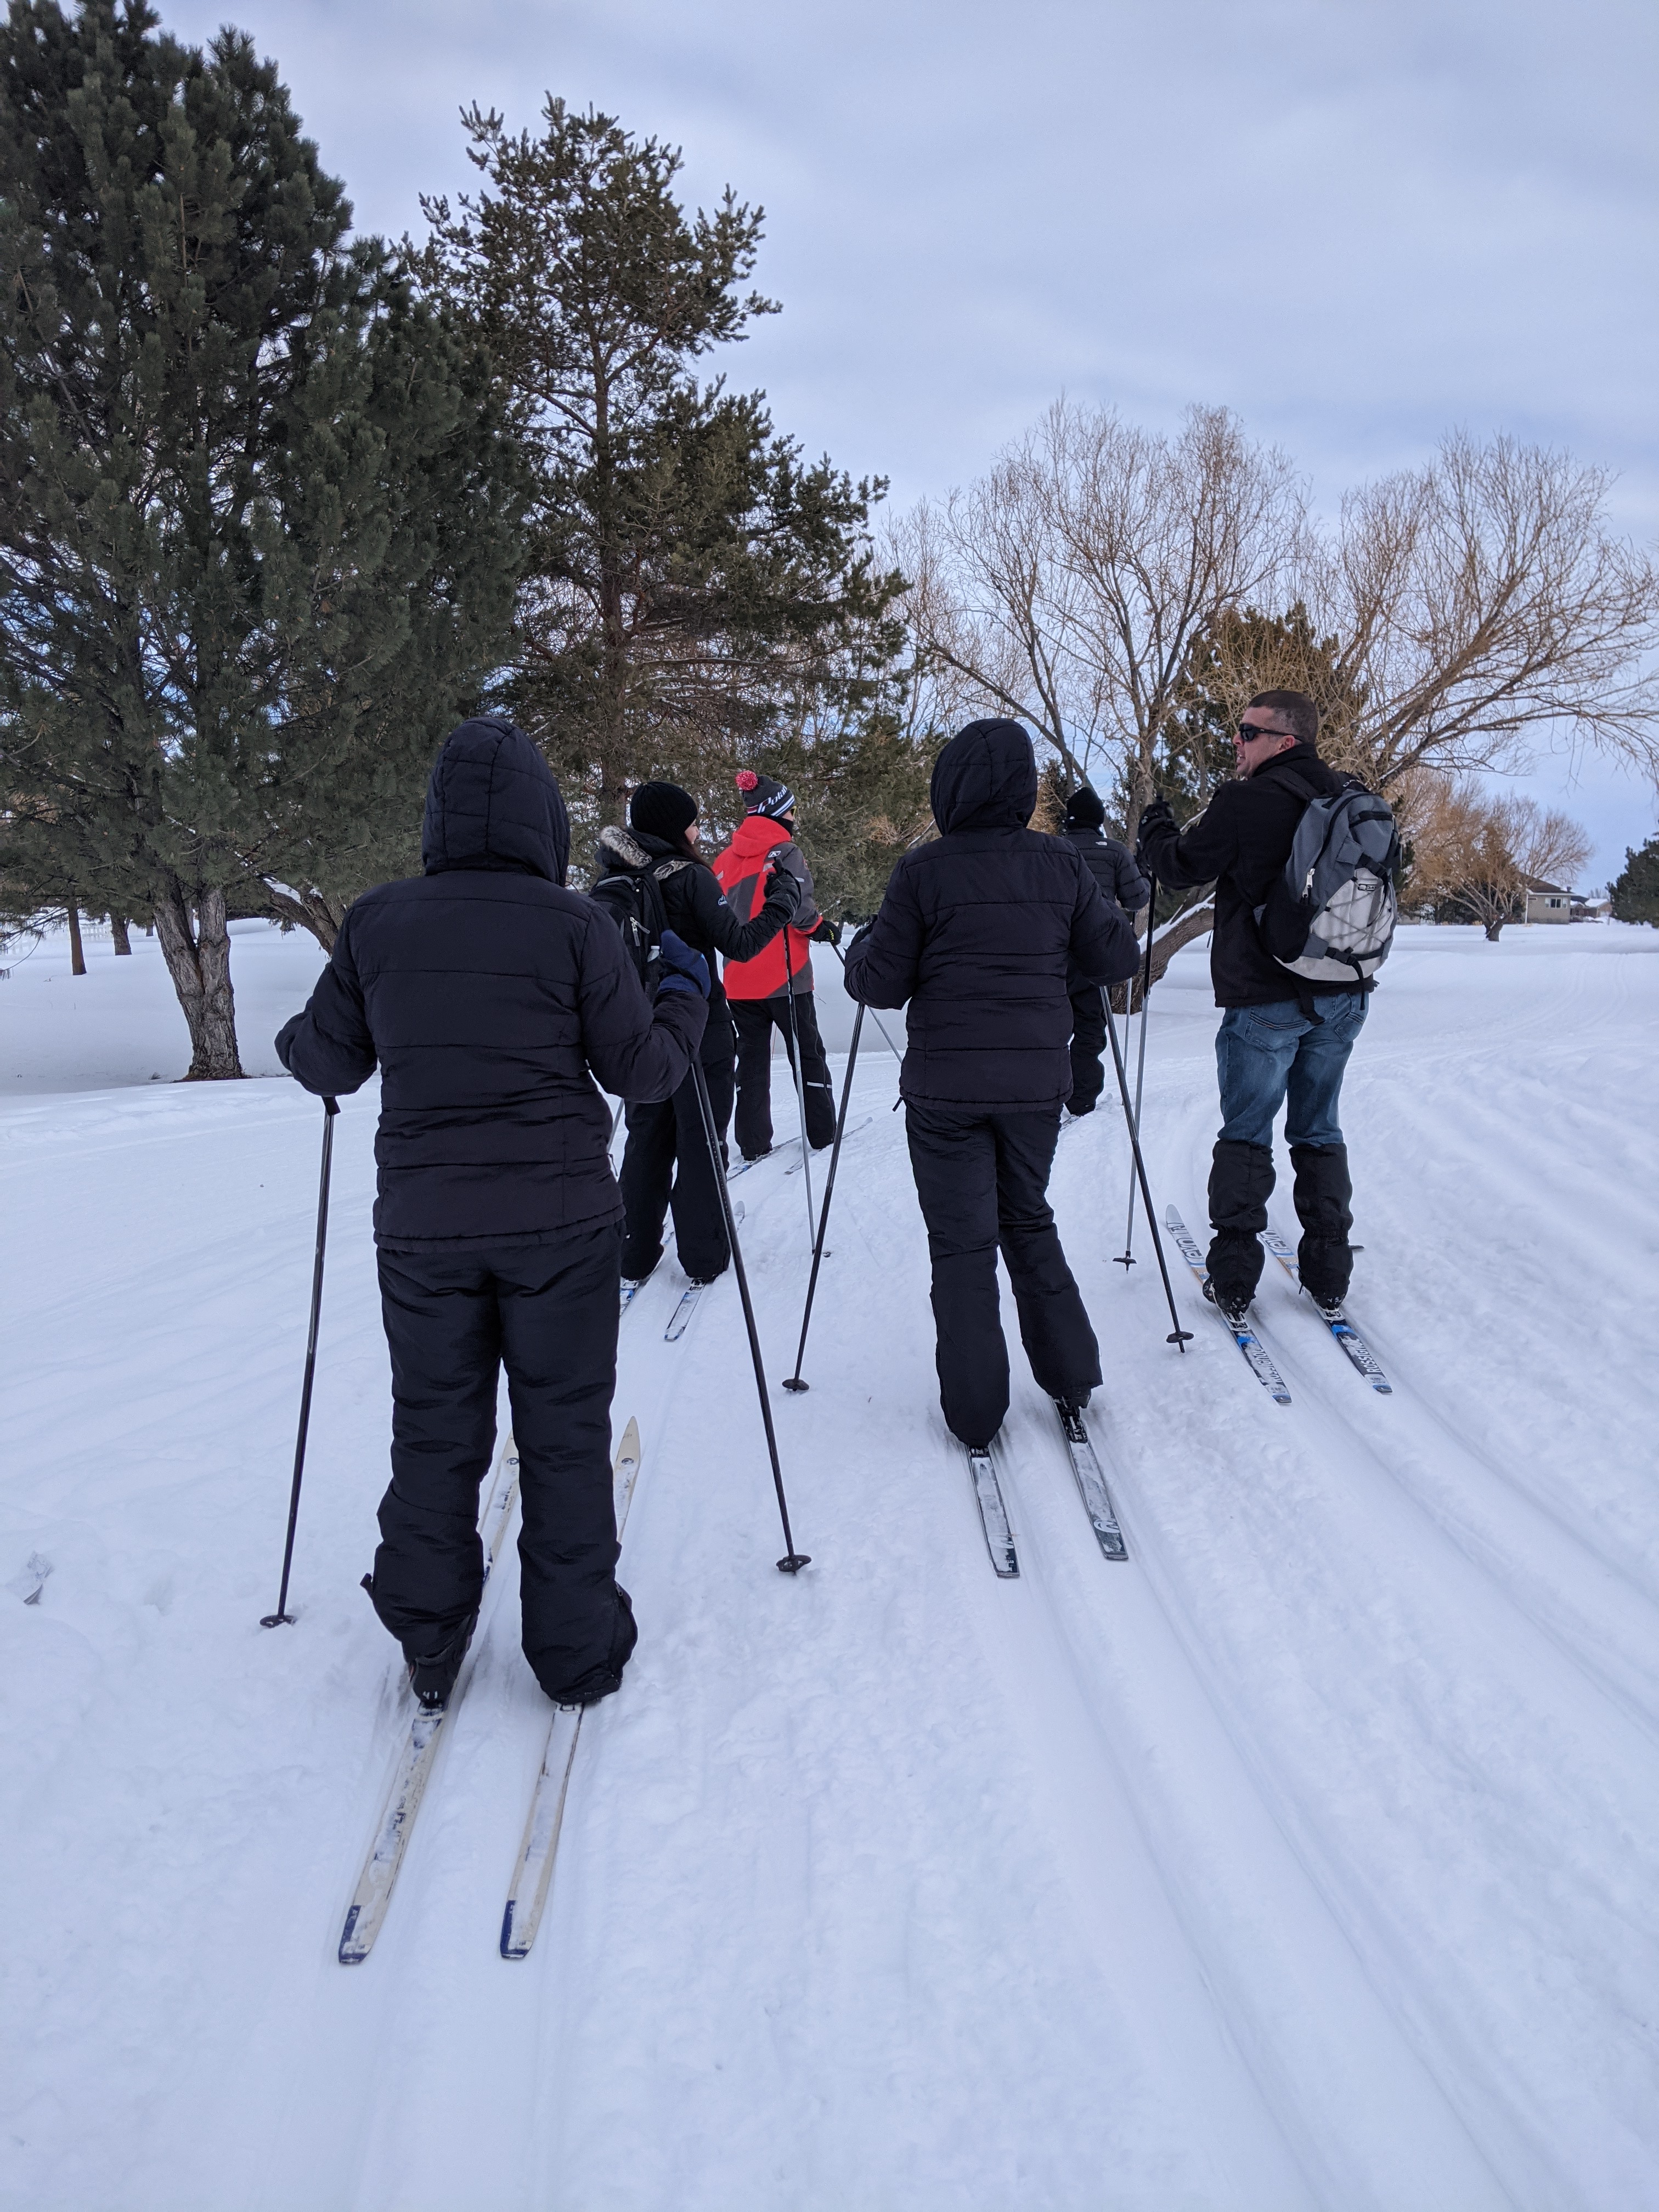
1357,224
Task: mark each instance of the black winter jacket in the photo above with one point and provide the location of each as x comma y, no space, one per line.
486,992
978,931
1240,843
1112,868
698,911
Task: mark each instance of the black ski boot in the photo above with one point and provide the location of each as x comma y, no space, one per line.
433,1680
1231,1305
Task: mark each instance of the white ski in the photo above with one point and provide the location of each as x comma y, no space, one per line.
1092,1485
630,1291
534,1871
851,1130
1243,1335
744,1166
988,1493
1338,1324
374,1885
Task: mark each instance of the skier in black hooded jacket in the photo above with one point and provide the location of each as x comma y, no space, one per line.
666,1141
486,992
976,933
1112,868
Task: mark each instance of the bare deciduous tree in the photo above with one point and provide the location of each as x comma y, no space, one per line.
1482,852
1472,606
1066,587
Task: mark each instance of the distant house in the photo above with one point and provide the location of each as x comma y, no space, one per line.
1545,901
1593,909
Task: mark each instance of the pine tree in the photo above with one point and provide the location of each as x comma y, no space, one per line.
693,589
253,548
1635,892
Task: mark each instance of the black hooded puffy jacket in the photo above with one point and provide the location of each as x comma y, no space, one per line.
487,991
977,932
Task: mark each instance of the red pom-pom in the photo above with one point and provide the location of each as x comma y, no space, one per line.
746,779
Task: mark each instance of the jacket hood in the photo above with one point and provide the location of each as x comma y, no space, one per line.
758,833
985,778
492,803
618,848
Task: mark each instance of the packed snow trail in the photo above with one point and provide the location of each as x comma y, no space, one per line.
1305,1860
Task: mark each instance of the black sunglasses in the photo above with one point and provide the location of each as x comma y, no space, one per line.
1248,730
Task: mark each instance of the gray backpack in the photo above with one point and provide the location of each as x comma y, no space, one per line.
1330,916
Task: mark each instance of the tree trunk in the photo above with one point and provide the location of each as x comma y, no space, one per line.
1494,930
310,910
77,958
198,961
119,937
1182,932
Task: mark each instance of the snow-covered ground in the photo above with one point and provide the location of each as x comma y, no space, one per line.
1311,1859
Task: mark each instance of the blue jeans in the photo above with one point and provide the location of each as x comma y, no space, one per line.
1265,1055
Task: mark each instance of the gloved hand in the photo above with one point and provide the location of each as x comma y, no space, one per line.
827,932
1158,809
783,892
683,968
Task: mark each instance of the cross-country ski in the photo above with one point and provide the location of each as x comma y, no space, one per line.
1091,1483
1256,1357
367,1909
1358,1351
533,1874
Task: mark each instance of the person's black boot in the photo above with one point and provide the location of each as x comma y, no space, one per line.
1324,1194
433,1679
602,1680
1240,1183
1232,1310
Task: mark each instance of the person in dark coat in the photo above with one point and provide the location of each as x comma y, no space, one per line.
977,934
490,997
666,1160
1112,868
1278,1039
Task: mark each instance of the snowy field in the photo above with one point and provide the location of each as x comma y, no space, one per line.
1311,1859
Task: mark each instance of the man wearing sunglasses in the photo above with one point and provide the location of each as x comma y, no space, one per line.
1281,1043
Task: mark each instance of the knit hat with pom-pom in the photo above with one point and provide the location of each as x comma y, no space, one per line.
761,795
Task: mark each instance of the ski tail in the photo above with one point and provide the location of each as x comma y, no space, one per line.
1092,1485
1250,1344
532,1875
993,1514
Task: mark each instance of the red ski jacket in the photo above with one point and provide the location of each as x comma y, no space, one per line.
741,872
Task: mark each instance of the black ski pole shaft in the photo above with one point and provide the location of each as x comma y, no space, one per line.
793,1561
874,1016
1178,1336
1128,1260
793,1381
282,1618
799,1073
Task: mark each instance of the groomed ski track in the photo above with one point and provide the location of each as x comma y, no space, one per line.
1307,1860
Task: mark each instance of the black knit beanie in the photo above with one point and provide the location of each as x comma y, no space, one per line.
662,810
1083,810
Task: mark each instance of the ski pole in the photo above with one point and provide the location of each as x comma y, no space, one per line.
1178,1336
1127,1258
282,1618
874,1016
793,1561
799,1073
793,1381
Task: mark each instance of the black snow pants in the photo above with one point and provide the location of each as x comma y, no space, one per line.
547,1313
1088,1042
757,1019
981,1175
666,1163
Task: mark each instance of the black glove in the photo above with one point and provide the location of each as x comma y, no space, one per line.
1157,810
782,893
827,932
861,932
683,968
